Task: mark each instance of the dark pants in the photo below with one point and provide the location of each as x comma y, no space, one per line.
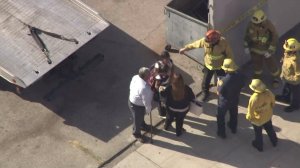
258,61
233,113
291,93
295,95
179,118
258,134
207,75
138,113
162,109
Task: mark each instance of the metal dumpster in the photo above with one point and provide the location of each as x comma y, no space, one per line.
186,21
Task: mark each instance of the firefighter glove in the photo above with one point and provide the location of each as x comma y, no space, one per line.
247,51
267,55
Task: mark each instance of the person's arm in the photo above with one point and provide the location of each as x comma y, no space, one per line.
272,100
296,66
228,51
196,44
247,40
274,38
251,108
147,96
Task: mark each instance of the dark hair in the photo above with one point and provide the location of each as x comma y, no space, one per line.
178,87
165,54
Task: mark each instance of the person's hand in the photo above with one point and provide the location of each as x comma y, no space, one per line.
267,55
148,112
247,51
181,51
161,88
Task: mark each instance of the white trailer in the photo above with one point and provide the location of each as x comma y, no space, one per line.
60,26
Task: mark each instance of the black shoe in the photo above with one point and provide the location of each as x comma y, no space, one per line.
166,126
233,130
204,96
282,98
274,143
221,135
290,109
254,144
178,133
146,127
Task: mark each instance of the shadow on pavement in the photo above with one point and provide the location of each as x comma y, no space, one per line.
90,89
235,150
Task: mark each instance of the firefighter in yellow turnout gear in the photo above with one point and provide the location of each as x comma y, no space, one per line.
216,49
291,75
260,42
260,111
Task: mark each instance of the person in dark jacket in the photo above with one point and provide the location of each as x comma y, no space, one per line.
178,97
161,71
228,90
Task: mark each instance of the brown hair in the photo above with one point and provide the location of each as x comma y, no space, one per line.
178,87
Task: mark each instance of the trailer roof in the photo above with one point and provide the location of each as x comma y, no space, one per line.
20,55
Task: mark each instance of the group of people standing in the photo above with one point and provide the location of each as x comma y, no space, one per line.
174,96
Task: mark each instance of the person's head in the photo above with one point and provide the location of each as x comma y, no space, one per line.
258,17
212,36
165,57
257,86
178,86
144,73
229,66
291,45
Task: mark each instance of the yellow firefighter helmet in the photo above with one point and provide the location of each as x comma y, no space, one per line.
291,45
257,86
258,17
229,65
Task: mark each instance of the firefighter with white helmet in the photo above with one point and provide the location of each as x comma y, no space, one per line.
228,90
260,42
216,49
290,74
260,111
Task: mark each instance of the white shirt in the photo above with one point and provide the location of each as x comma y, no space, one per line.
140,93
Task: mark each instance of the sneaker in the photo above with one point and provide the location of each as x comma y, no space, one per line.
254,144
233,130
290,109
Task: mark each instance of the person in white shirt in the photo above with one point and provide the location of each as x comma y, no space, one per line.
140,99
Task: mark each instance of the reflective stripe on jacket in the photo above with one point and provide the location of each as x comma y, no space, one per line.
214,55
262,37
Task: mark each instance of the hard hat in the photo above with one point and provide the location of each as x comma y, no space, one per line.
212,36
258,17
229,65
257,86
291,45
